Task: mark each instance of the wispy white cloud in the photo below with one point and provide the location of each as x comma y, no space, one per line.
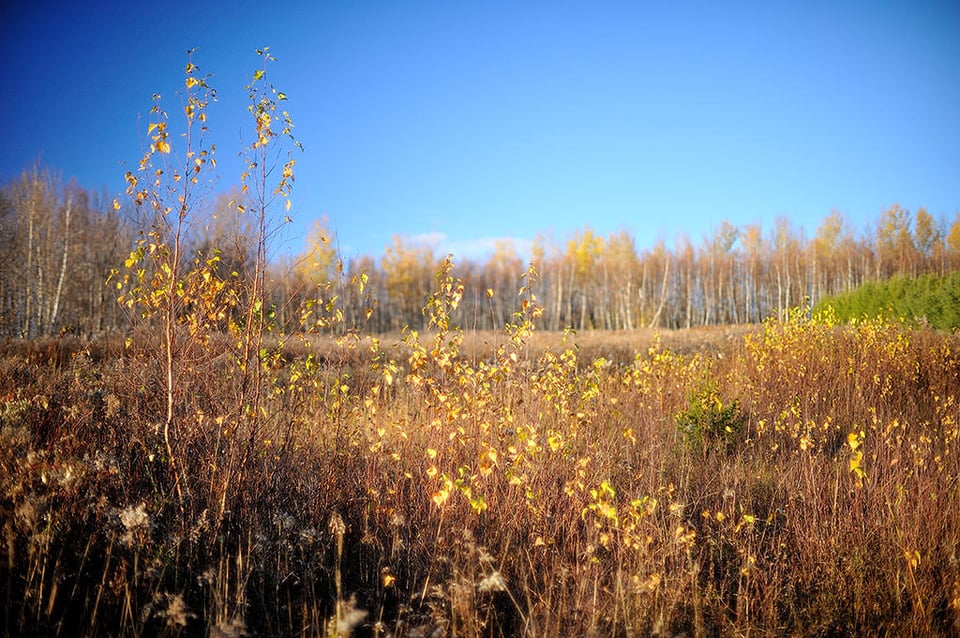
474,249
481,248
432,239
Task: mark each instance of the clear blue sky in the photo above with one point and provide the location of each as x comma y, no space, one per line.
468,121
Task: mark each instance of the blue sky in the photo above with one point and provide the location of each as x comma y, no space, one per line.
469,121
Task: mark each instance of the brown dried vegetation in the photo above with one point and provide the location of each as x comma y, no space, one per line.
494,484
215,474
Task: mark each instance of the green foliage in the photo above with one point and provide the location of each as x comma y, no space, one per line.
708,423
927,299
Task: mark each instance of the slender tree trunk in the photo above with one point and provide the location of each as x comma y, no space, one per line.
63,265
558,302
655,320
28,301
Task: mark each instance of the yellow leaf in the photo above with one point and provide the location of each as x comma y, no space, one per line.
853,440
478,504
647,585
855,459
441,497
607,510
555,441
192,82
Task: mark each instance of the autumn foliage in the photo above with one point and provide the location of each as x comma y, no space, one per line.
587,281
800,479
254,457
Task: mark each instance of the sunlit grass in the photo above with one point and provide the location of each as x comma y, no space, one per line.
795,478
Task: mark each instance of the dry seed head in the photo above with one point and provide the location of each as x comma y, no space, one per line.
493,582
484,556
176,612
336,525
348,616
202,524
232,628
134,520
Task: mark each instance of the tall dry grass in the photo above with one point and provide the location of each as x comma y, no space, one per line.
796,478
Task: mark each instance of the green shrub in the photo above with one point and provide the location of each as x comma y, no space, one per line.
708,423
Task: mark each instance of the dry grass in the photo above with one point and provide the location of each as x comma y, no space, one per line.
796,478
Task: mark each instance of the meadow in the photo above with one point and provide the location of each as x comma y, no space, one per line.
244,454
798,477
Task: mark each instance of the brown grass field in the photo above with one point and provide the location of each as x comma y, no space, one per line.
796,478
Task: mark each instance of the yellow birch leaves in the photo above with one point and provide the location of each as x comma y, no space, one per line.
855,441
160,143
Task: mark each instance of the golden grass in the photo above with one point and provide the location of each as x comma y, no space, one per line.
795,478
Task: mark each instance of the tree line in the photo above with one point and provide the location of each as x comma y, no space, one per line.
59,244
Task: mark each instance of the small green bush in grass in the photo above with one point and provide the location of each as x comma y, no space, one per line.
708,423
